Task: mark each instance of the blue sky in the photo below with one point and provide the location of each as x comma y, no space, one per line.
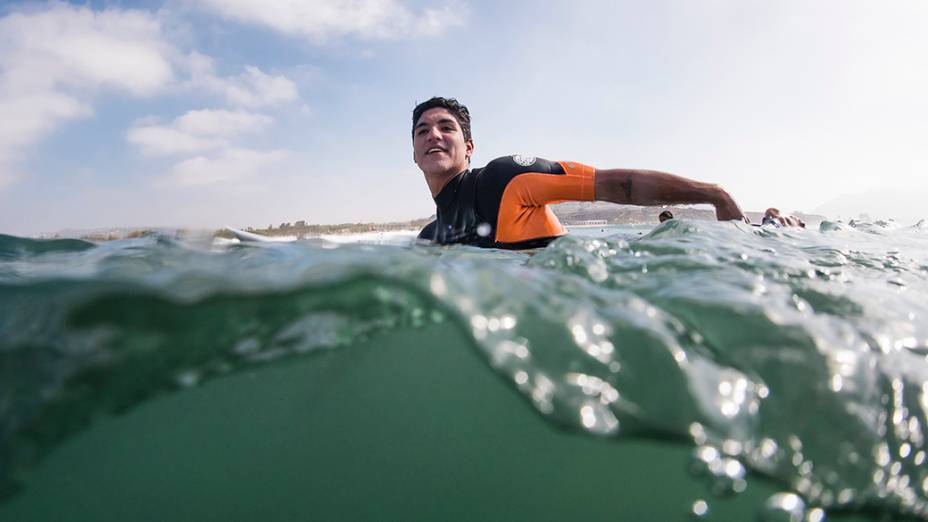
256,112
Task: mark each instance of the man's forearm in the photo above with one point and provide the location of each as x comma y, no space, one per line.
648,187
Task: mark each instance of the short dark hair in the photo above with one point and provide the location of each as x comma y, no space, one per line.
456,108
665,215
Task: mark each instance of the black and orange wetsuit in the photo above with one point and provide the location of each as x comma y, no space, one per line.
505,204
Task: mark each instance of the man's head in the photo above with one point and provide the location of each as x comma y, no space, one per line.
456,108
665,215
441,140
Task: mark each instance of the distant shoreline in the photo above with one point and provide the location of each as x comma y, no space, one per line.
572,214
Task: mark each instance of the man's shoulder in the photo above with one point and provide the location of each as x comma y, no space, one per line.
521,163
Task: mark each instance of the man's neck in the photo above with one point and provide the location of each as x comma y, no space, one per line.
438,182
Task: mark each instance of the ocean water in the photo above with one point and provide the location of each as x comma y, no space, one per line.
695,370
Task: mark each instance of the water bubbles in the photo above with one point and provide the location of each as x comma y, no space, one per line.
479,324
588,417
895,468
845,496
784,507
706,455
726,474
187,379
698,433
597,271
732,394
805,468
247,346
878,477
815,515
767,449
437,285
493,324
508,322
881,454
732,447
598,419
762,391
594,387
579,334
542,393
700,508
919,458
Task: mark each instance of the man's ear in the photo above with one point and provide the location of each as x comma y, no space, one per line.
470,149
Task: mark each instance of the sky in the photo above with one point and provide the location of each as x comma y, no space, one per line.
210,113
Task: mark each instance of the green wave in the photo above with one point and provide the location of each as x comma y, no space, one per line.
796,354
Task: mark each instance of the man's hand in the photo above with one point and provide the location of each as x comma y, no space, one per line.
726,209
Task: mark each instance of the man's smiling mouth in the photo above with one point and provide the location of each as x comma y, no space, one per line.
435,150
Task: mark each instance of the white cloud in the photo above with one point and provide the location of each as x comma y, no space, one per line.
219,163
77,47
321,19
253,88
222,122
234,165
56,59
196,131
53,60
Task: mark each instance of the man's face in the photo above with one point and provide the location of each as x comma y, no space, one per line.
438,144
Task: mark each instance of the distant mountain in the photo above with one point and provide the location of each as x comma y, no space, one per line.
577,212
906,206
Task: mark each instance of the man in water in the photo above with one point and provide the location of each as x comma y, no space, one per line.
505,203
772,217
664,216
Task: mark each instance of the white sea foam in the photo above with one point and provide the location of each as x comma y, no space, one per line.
380,237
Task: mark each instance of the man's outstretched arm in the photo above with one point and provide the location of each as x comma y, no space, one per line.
648,187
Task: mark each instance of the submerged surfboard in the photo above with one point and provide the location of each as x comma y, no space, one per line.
250,237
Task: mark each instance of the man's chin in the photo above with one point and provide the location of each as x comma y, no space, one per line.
435,168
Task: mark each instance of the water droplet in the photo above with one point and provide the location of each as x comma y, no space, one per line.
815,515
698,433
732,447
484,229
700,508
783,507
188,379
437,285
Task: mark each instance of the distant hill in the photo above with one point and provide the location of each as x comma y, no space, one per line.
906,206
571,213
576,212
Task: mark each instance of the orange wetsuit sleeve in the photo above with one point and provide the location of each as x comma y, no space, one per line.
523,211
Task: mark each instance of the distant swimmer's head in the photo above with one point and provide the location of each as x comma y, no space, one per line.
664,216
772,213
441,140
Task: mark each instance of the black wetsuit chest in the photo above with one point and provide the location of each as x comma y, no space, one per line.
457,218
468,207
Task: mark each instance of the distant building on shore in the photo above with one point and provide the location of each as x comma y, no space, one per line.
590,223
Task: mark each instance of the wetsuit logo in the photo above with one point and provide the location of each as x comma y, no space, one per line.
525,161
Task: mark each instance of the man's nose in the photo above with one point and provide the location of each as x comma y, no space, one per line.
434,133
